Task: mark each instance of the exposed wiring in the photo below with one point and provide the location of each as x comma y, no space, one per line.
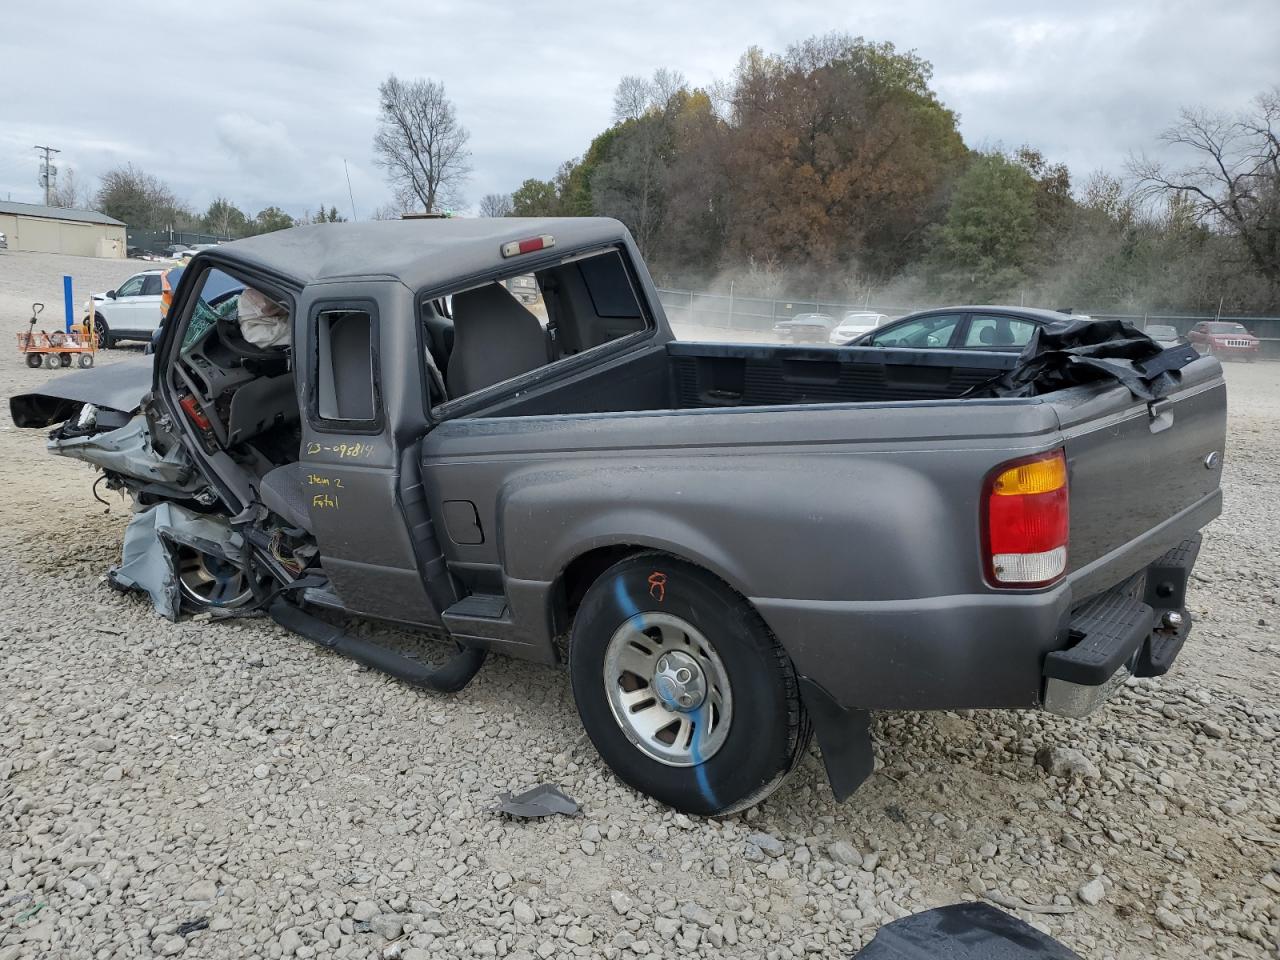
98,498
274,547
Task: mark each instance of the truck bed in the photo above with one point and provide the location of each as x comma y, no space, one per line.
685,375
864,471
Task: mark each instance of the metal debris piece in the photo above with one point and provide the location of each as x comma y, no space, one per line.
191,926
544,800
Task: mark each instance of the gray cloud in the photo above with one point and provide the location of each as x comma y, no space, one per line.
262,102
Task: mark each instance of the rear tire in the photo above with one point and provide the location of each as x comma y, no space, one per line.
650,618
65,360
86,360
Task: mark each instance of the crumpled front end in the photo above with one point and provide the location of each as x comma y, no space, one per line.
154,561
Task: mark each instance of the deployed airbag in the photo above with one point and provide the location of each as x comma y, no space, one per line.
1078,351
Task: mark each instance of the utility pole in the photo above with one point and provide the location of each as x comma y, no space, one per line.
47,172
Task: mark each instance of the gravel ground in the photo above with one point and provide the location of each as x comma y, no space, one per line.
227,790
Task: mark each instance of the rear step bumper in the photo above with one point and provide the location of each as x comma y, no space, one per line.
1134,629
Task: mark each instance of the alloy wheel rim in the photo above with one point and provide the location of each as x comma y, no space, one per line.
668,689
211,581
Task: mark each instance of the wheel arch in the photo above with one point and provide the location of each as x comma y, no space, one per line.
590,562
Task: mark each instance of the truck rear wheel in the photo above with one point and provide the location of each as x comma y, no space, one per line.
682,688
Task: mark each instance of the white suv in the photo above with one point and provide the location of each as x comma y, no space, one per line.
129,312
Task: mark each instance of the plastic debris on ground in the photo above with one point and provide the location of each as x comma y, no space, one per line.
1078,351
543,800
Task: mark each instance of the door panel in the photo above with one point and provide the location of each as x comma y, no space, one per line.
379,561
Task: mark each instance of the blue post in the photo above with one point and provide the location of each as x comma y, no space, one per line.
67,301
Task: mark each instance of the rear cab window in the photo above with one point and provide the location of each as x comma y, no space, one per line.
477,338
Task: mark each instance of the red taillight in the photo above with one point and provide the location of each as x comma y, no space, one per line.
1027,521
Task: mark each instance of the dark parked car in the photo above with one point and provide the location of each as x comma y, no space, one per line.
1164,335
1224,338
727,545
963,328
805,328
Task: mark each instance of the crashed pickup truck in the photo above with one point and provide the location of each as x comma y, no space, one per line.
730,545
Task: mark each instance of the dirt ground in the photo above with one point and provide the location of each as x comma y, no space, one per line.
226,790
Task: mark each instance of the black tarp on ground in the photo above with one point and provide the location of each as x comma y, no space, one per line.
1077,351
963,931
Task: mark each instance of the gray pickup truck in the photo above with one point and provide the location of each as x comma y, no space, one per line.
730,545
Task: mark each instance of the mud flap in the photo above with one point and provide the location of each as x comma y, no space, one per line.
844,736
963,931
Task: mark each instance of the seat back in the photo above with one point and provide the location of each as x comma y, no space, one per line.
494,339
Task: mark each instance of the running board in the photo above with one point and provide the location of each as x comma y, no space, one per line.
480,617
454,674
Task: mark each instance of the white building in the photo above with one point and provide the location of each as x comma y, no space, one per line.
82,233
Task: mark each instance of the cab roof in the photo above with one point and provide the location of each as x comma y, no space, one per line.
420,253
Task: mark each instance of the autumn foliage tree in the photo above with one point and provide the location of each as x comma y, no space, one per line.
833,169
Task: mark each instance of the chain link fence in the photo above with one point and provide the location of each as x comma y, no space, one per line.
154,242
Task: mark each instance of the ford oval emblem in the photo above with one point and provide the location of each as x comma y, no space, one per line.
1212,460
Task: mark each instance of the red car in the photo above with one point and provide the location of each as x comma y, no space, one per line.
1223,338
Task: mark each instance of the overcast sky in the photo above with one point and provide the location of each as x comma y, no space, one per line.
261,100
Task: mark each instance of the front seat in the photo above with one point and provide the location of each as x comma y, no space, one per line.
284,492
494,339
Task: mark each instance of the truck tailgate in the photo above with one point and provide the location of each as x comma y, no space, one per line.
1143,476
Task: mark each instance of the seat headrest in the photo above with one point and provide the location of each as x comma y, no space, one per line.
495,338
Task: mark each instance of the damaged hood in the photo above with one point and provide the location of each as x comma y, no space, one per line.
118,386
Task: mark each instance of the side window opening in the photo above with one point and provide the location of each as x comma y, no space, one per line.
997,331
344,357
233,371
131,287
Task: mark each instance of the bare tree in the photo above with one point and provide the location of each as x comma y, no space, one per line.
635,96
496,205
631,98
1234,182
420,142
141,200
68,192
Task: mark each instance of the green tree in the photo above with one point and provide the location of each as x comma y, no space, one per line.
225,219
535,198
980,249
269,220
